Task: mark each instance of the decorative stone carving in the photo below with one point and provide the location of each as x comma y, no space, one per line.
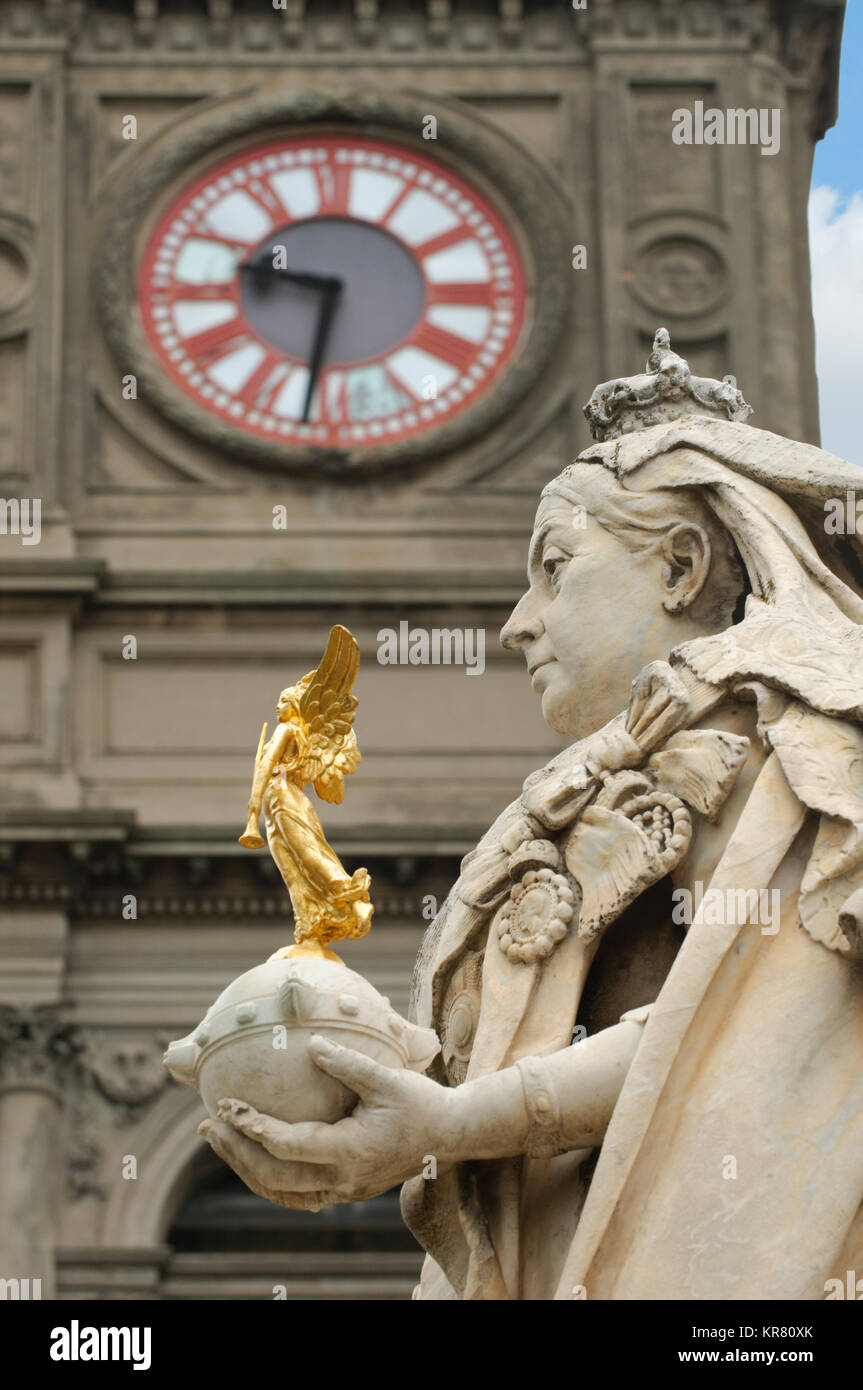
114,1081
41,1051
459,1016
128,1072
14,275
38,1045
666,391
176,887
84,1153
536,916
680,275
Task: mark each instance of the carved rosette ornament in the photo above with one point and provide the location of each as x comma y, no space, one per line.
664,819
536,916
460,1016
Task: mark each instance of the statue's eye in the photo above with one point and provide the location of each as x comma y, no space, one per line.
553,562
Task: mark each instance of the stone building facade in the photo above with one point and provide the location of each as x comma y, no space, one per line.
189,564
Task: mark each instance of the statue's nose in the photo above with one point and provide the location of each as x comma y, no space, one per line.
523,625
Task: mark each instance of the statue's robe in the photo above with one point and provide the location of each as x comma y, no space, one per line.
733,1164
322,893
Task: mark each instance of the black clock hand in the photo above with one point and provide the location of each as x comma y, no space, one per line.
325,318
330,287
327,283
262,270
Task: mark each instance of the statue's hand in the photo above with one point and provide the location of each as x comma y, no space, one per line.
400,1121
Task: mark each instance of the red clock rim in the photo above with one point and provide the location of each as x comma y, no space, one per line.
279,437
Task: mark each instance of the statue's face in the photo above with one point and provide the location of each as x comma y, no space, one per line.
594,616
286,707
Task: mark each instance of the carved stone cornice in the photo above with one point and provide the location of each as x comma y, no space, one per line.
53,578
73,867
86,582
165,27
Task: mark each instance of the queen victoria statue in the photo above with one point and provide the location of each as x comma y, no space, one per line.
646,982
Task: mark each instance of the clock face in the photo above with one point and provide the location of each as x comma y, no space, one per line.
332,291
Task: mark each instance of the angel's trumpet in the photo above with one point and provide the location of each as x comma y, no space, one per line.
251,838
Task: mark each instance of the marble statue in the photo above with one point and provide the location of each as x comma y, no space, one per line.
646,982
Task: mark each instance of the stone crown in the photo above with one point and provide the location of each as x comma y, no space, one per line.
666,390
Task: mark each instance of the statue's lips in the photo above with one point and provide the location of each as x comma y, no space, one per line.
533,671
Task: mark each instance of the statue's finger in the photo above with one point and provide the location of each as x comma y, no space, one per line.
260,1170
310,1143
368,1078
246,1158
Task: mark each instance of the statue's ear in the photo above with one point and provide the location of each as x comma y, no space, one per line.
686,558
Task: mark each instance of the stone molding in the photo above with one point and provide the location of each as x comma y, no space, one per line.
90,581
155,27
68,860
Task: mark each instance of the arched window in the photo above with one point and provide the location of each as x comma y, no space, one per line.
228,1243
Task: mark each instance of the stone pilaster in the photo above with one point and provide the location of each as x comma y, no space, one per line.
37,1046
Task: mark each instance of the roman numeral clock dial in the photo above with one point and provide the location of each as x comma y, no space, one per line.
335,291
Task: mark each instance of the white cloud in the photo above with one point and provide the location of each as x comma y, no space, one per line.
836,244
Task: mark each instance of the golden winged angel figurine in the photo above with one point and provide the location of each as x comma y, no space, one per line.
315,742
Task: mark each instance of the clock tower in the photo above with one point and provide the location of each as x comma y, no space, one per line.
300,303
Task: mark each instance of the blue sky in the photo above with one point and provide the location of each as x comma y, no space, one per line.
838,157
836,239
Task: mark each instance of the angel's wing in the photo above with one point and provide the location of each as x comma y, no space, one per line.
330,785
328,708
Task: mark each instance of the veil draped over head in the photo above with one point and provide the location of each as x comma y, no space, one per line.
799,648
